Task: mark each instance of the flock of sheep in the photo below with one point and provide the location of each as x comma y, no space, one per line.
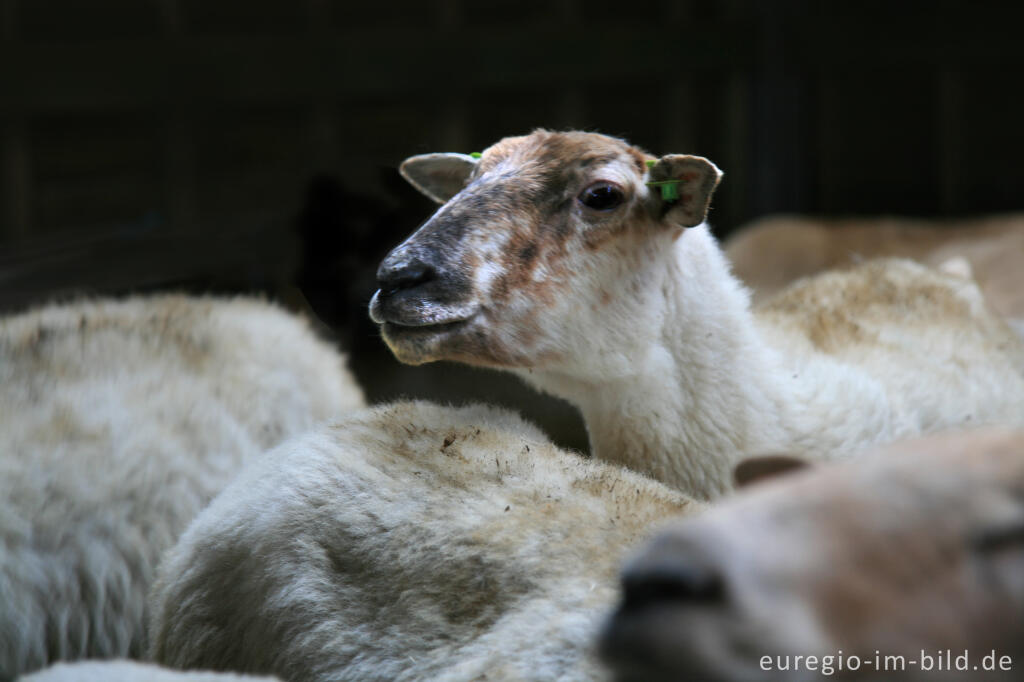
196,484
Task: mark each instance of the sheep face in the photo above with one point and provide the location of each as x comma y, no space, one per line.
541,243
921,548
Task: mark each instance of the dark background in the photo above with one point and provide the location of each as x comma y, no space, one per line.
251,145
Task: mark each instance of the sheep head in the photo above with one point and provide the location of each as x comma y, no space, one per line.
918,547
539,242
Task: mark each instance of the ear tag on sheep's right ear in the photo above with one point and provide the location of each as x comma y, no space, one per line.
475,155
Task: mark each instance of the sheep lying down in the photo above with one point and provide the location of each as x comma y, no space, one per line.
908,564
406,542
773,252
129,671
119,421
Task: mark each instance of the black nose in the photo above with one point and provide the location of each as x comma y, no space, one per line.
683,580
404,274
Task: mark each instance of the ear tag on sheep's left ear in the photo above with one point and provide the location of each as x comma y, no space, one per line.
669,189
475,155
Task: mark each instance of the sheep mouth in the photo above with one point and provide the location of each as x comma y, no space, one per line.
427,342
422,320
394,329
401,315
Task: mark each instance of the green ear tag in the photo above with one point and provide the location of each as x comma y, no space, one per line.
669,189
650,163
475,155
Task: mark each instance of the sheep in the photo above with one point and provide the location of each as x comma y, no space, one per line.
129,671
583,265
917,549
119,421
770,253
408,541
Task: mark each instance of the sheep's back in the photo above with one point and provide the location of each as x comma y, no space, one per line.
119,421
410,541
921,345
773,252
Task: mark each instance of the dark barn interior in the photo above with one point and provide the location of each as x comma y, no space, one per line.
252,145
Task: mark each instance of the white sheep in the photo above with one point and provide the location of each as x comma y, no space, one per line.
917,549
582,264
119,421
772,252
129,671
406,542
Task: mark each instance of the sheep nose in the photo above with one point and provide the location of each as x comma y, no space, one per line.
670,588
404,274
684,580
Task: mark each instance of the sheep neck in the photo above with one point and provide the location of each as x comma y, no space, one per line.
700,388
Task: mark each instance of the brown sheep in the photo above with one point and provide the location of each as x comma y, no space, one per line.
915,550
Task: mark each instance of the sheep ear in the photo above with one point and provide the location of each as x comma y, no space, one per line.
681,187
438,176
757,469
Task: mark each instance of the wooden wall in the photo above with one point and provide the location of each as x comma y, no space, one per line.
170,121
175,121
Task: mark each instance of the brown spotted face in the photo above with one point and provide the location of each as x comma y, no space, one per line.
920,547
540,241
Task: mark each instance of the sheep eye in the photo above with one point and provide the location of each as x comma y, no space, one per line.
601,196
